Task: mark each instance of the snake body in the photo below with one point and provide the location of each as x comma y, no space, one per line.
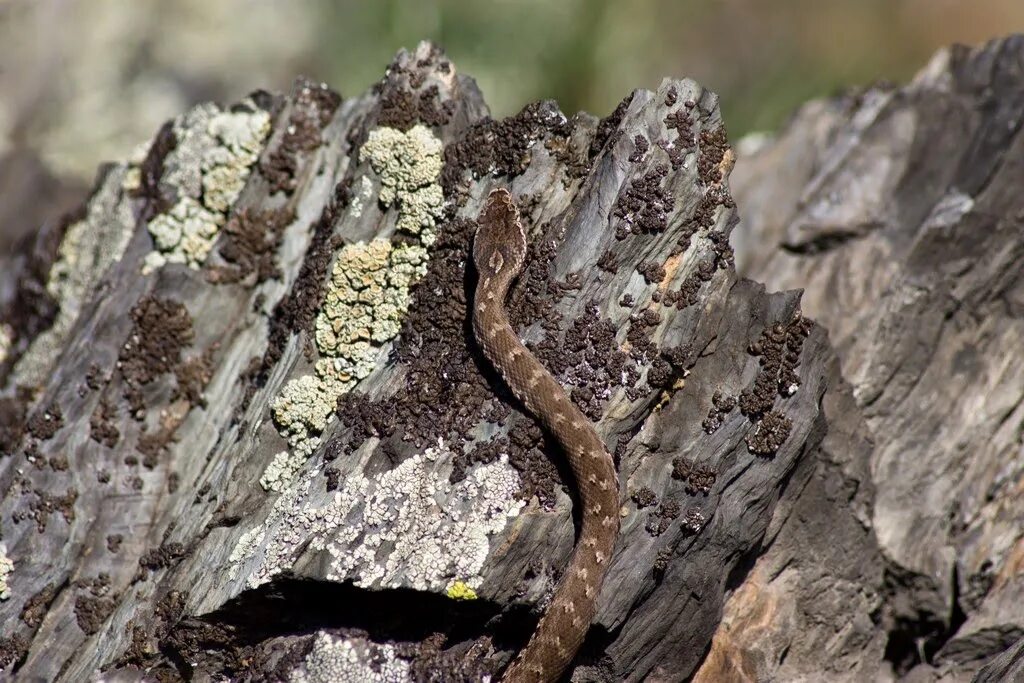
499,251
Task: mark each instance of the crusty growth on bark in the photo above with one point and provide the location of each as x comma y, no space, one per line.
247,431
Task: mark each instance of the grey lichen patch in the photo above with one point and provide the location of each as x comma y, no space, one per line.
87,250
409,165
272,546
335,659
207,170
6,567
407,527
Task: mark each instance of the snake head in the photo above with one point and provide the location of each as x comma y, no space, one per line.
499,248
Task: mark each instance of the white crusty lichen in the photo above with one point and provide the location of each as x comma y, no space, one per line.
406,527
87,250
409,165
334,659
6,567
420,531
207,170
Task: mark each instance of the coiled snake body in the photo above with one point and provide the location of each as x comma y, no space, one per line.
499,251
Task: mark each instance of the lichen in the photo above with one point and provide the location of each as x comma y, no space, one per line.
335,659
361,197
6,341
406,527
281,470
366,298
460,590
88,249
409,165
410,538
207,171
303,409
246,547
6,567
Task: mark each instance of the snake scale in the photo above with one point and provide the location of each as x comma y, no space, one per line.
499,251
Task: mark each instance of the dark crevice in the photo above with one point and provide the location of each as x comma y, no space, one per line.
830,241
916,639
298,607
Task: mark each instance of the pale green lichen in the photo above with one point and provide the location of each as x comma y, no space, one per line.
282,469
334,659
207,170
6,567
409,165
89,247
303,409
226,167
366,298
368,293
184,234
132,180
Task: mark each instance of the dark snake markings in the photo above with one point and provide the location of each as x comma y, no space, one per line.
499,251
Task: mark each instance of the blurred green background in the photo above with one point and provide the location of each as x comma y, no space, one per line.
86,80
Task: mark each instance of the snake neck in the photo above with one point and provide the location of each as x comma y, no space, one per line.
489,313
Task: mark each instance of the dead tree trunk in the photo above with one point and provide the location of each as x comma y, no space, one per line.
247,432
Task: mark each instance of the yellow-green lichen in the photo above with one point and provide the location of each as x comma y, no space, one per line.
409,165
303,409
460,590
207,170
367,296
368,292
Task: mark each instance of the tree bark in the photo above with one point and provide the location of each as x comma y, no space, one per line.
252,436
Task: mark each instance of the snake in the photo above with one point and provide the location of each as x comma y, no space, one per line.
499,252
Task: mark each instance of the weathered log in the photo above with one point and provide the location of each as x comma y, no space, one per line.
899,212
257,440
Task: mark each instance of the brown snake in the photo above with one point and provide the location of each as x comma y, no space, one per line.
499,251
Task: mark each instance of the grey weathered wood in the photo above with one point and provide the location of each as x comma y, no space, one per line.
761,566
898,210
